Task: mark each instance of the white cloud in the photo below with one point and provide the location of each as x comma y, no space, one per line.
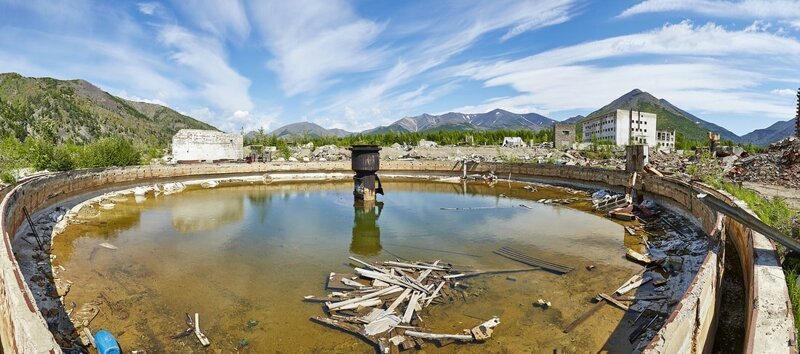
707,69
313,41
760,9
241,114
124,94
223,18
217,82
148,8
784,92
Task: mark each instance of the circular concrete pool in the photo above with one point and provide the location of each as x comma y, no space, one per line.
244,256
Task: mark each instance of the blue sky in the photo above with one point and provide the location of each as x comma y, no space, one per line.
360,64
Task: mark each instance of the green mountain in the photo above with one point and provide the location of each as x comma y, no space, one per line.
670,117
76,110
309,129
496,119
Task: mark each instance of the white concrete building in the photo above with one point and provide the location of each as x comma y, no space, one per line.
622,127
513,142
206,145
665,140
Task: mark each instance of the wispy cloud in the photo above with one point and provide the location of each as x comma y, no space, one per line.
758,9
148,8
784,92
437,41
313,41
217,82
223,18
702,74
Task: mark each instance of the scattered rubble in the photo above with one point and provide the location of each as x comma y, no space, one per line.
778,165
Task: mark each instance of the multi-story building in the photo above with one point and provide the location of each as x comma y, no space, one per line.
665,140
622,127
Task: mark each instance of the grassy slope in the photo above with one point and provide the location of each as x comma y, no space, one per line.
78,111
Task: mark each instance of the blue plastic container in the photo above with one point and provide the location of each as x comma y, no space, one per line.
106,343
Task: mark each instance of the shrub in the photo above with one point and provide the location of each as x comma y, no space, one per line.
108,152
44,155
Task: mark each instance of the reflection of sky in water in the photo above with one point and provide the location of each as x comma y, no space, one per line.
256,219
250,252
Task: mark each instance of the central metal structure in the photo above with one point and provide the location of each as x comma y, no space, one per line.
366,161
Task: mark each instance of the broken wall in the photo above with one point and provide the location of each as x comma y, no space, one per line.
206,145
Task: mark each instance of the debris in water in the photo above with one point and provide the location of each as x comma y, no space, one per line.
108,245
382,304
638,257
189,329
251,325
518,256
200,336
544,304
209,184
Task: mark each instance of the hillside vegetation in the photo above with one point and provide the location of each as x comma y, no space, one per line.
57,125
77,111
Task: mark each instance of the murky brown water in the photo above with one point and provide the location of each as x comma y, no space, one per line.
248,254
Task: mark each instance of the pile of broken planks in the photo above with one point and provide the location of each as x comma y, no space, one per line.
381,303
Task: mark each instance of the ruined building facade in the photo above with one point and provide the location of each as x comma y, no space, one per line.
622,127
563,135
194,145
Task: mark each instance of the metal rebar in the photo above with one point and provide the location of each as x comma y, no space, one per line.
750,221
33,228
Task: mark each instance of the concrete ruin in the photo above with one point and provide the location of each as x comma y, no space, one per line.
563,136
195,145
690,328
513,142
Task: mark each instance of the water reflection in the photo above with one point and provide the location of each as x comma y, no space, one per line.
197,215
366,232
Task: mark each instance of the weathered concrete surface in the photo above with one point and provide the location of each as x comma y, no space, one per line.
690,327
563,135
206,145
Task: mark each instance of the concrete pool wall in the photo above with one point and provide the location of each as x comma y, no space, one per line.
690,328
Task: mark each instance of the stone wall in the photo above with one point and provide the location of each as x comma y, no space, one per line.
690,328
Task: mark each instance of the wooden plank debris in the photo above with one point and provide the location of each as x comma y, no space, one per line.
389,317
200,336
614,301
638,257
633,285
518,256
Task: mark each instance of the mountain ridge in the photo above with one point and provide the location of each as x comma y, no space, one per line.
495,119
307,128
771,134
79,111
670,117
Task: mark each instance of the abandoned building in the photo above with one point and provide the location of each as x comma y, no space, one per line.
563,135
195,145
665,140
513,142
622,127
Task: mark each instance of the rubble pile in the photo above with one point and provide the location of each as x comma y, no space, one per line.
668,164
779,165
330,153
383,302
